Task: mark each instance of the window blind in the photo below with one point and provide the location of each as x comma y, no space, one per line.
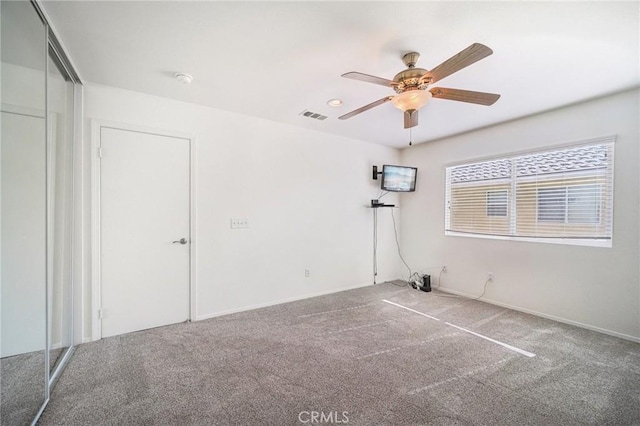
565,195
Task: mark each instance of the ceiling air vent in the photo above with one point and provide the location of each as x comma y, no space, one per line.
313,115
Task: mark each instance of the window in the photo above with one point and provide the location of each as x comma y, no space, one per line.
570,204
497,203
561,196
552,204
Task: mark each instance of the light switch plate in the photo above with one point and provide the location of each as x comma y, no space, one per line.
239,223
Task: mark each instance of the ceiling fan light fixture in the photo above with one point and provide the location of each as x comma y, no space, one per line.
411,84
411,100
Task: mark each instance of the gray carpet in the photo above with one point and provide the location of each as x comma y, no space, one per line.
354,359
22,388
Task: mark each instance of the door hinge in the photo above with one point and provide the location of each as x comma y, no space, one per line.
99,152
100,313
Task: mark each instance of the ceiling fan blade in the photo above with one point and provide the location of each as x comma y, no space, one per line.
369,78
468,56
410,118
366,107
481,98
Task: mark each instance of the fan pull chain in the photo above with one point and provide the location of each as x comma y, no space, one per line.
410,135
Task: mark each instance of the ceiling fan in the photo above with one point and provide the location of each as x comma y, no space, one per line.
411,84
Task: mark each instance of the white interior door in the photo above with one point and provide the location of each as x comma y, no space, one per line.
144,210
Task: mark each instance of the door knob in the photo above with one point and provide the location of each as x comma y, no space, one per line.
181,241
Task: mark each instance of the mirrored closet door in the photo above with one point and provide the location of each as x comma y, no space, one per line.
23,152
60,186
36,218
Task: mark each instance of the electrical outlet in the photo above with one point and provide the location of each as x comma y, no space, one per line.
307,272
490,276
239,223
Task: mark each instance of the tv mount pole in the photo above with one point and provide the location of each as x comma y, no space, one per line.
375,244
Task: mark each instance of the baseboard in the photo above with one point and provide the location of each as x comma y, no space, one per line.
88,339
281,301
543,315
387,280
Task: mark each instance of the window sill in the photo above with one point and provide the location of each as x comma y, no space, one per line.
605,243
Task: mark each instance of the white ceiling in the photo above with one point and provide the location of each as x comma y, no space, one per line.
275,59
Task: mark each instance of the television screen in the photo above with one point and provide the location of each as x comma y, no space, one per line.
399,178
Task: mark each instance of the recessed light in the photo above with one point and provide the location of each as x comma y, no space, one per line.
335,102
184,78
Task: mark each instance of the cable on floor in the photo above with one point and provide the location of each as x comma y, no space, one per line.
484,290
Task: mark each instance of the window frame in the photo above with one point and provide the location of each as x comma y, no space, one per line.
566,205
558,200
600,233
494,205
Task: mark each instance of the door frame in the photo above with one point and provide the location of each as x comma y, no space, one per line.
96,255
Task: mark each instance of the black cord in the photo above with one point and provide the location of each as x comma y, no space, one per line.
453,296
484,290
417,275
440,277
395,231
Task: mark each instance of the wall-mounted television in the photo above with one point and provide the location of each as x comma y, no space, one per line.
398,178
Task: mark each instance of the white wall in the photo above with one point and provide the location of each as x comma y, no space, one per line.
305,194
598,288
